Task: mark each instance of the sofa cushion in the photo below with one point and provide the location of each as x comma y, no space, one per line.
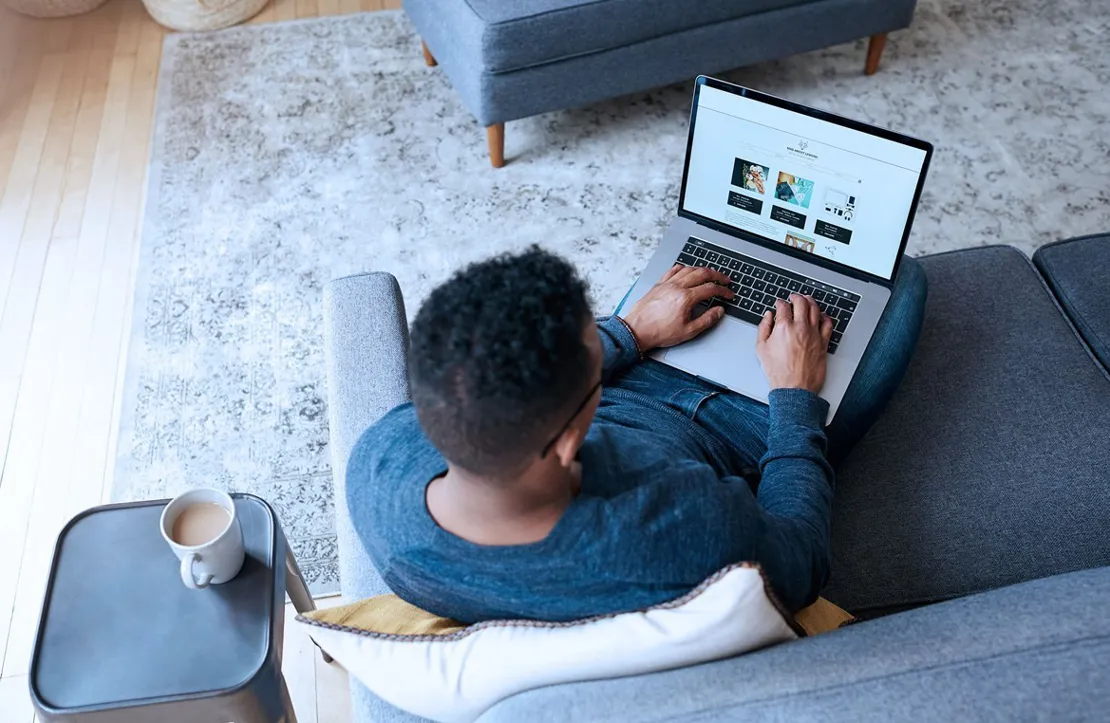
1076,271
989,467
508,35
1035,651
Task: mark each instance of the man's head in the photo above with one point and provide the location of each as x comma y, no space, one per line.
502,355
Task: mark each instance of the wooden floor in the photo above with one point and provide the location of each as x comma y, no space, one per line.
76,99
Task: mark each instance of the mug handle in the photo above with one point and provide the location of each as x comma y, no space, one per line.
187,573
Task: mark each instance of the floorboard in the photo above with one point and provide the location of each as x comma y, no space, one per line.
300,669
79,165
26,446
285,10
15,703
9,391
15,204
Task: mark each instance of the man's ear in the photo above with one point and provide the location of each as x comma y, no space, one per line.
566,447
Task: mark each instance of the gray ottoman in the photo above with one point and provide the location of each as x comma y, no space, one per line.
511,60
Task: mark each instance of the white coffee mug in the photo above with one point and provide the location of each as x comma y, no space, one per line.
215,561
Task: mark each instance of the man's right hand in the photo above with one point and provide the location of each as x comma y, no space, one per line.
793,343
664,316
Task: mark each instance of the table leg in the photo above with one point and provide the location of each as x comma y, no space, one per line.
295,585
298,590
287,703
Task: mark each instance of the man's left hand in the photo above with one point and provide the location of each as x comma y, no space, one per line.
664,316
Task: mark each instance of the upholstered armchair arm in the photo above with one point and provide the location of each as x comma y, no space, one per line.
366,343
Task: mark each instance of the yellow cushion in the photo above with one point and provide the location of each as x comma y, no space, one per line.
821,617
386,614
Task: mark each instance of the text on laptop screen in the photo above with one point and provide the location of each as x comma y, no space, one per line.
820,187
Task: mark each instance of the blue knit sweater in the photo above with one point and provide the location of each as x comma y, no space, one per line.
662,507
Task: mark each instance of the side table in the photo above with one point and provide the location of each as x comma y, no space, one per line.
121,640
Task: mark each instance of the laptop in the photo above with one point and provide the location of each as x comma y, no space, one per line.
787,199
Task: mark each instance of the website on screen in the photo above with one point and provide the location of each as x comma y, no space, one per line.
819,187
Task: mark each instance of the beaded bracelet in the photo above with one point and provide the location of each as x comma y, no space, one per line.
639,349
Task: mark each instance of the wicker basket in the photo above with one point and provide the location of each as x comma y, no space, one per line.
202,14
53,8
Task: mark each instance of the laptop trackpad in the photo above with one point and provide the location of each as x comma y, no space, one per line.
725,355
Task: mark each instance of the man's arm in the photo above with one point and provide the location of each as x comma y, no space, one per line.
785,527
619,346
691,523
795,494
796,487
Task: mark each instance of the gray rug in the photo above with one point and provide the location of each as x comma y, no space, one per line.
289,154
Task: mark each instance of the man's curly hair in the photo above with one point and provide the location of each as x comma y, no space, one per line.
498,360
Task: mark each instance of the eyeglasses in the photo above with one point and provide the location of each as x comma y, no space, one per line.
547,447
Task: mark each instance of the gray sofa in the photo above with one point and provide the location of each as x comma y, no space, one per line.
972,523
511,60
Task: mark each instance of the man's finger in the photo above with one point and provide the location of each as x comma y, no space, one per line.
801,307
671,272
766,326
827,325
703,322
783,310
701,275
814,314
708,290
682,273
693,276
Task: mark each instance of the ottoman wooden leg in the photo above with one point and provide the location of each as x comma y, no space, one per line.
428,57
874,52
495,134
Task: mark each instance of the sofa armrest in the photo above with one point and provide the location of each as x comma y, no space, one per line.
1075,270
366,343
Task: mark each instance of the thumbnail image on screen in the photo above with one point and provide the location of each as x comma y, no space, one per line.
750,176
801,243
794,189
840,204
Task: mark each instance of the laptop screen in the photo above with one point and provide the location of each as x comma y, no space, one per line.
819,186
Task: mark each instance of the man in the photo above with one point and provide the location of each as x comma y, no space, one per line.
546,470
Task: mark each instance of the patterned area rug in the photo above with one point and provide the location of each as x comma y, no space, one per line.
289,154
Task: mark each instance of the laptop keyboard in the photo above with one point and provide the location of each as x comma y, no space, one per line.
757,284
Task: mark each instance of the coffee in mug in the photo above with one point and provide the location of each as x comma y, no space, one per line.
199,523
202,529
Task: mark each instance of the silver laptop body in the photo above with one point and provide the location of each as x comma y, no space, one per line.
762,173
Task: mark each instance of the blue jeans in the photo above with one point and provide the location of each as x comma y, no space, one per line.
742,422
